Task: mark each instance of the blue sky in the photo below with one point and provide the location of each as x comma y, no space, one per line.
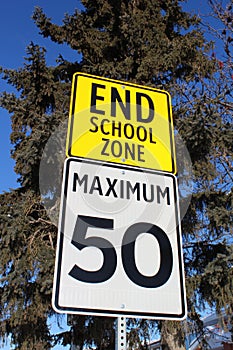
17,31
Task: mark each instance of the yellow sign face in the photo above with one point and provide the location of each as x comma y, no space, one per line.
118,122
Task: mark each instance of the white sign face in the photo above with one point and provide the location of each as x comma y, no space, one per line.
119,245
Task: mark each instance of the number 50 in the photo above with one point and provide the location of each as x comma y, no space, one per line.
109,265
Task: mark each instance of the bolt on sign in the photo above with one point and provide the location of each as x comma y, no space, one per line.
119,122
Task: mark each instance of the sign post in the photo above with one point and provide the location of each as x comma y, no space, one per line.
120,333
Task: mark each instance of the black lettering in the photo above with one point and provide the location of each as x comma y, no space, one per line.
152,193
95,97
128,131
76,180
122,188
142,136
116,152
96,186
133,189
105,146
81,240
141,153
151,136
129,261
129,151
150,116
116,127
163,194
111,187
92,120
115,97
103,121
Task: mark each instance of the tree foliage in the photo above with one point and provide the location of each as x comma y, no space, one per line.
154,43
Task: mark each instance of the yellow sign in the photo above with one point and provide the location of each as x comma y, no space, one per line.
119,122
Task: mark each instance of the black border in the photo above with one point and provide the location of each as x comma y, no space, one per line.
111,313
72,109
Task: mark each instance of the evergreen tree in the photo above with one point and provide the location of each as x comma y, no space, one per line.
153,43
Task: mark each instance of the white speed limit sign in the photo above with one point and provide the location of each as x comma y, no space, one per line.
119,245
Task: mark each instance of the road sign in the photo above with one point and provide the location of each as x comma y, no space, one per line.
120,122
119,244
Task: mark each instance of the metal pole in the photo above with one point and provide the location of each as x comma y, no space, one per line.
120,333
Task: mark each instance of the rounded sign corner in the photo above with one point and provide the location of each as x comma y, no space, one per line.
56,307
69,153
76,74
184,314
174,169
168,95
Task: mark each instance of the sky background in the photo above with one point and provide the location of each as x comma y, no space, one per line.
17,31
